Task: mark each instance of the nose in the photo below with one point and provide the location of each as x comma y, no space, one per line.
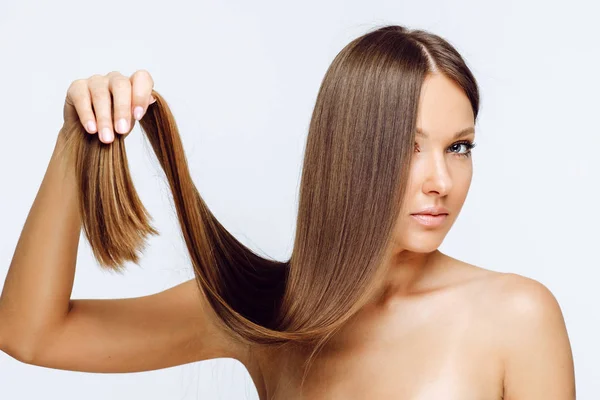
437,177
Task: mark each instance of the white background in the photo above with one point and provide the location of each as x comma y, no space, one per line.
241,78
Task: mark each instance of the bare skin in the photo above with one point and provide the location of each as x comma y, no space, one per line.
455,339
438,328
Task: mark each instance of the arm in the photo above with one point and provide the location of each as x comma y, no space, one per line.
173,327
37,289
538,362
40,325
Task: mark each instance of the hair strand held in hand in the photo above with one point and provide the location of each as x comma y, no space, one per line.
356,161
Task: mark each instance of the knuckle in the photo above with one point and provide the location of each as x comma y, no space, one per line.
102,99
76,88
143,73
120,83
100,94
77,83
97,80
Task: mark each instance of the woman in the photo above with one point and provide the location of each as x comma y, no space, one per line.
366,297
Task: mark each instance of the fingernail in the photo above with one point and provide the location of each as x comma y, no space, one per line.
122,125
106,135
137,113
91,126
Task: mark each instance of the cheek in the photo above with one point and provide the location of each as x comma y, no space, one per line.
462,181
415,179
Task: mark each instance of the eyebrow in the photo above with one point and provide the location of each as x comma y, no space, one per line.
458,134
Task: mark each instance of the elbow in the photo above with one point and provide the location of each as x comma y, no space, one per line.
14,344
23,341
17,350
24,355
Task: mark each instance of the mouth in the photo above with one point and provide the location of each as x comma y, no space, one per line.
430,220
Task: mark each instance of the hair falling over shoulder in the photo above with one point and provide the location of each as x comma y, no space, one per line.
358,150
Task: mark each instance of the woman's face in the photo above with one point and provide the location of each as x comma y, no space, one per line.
441,168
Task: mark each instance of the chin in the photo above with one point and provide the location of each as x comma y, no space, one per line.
422,242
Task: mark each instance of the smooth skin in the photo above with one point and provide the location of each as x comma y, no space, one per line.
441,328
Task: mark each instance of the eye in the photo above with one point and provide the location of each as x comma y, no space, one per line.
468,145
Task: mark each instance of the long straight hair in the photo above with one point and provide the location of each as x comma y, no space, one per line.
356,164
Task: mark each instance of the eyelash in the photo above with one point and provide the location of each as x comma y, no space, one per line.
470,146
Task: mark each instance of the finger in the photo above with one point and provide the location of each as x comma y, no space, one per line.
78,95
120,88
141,87
102,102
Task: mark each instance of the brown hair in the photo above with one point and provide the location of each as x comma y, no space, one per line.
358,151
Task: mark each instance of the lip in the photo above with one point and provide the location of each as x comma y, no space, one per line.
432,211
430,220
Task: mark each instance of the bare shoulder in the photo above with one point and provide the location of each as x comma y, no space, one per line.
522,301
514,301
532,338
508,294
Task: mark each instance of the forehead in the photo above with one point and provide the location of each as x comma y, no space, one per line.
444,108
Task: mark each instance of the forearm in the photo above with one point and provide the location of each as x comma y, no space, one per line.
36,293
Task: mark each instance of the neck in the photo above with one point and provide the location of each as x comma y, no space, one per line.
406,274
